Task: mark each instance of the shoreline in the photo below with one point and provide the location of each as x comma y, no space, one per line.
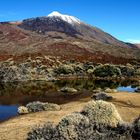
127,104
73,77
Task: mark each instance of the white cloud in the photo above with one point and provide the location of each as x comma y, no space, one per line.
136,41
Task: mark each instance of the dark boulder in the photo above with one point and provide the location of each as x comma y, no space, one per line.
102,96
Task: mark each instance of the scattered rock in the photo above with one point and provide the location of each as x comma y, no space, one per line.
137,90
23,110
109,90
68,89
102,96
97,90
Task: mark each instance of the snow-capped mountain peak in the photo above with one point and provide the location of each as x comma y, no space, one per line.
67,18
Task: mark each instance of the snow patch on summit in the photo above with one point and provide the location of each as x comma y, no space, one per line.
67,18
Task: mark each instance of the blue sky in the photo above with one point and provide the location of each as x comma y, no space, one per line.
121,18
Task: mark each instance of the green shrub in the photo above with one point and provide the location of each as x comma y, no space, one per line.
137,72
127,70
107,70
64,69
40,106
78,68
88,65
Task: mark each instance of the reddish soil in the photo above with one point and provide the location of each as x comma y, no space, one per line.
20,44
138,45
11,33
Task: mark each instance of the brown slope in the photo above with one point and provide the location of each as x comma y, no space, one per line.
138,45
19,43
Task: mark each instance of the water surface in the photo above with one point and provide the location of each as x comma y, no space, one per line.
7,111
16,94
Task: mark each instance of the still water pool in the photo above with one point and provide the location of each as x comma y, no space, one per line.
16,94
7,111
127,88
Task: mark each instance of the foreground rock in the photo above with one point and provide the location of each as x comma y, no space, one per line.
68,90
102,96
96,123
38,106
109,90
137,90
97,90
23,110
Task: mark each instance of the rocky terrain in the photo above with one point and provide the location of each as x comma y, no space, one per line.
138,45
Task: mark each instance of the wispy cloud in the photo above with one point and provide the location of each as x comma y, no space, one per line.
136,41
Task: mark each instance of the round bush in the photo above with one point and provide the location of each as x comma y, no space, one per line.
107,71
35,106
64,69
127,70
101,112
39,106
67,126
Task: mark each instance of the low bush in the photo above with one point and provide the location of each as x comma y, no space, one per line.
101,112
67,126
107,71
64,69
39,106
137,72
89,125
127,70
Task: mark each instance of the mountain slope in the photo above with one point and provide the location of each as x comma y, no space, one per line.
71,26
138,45
62,36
